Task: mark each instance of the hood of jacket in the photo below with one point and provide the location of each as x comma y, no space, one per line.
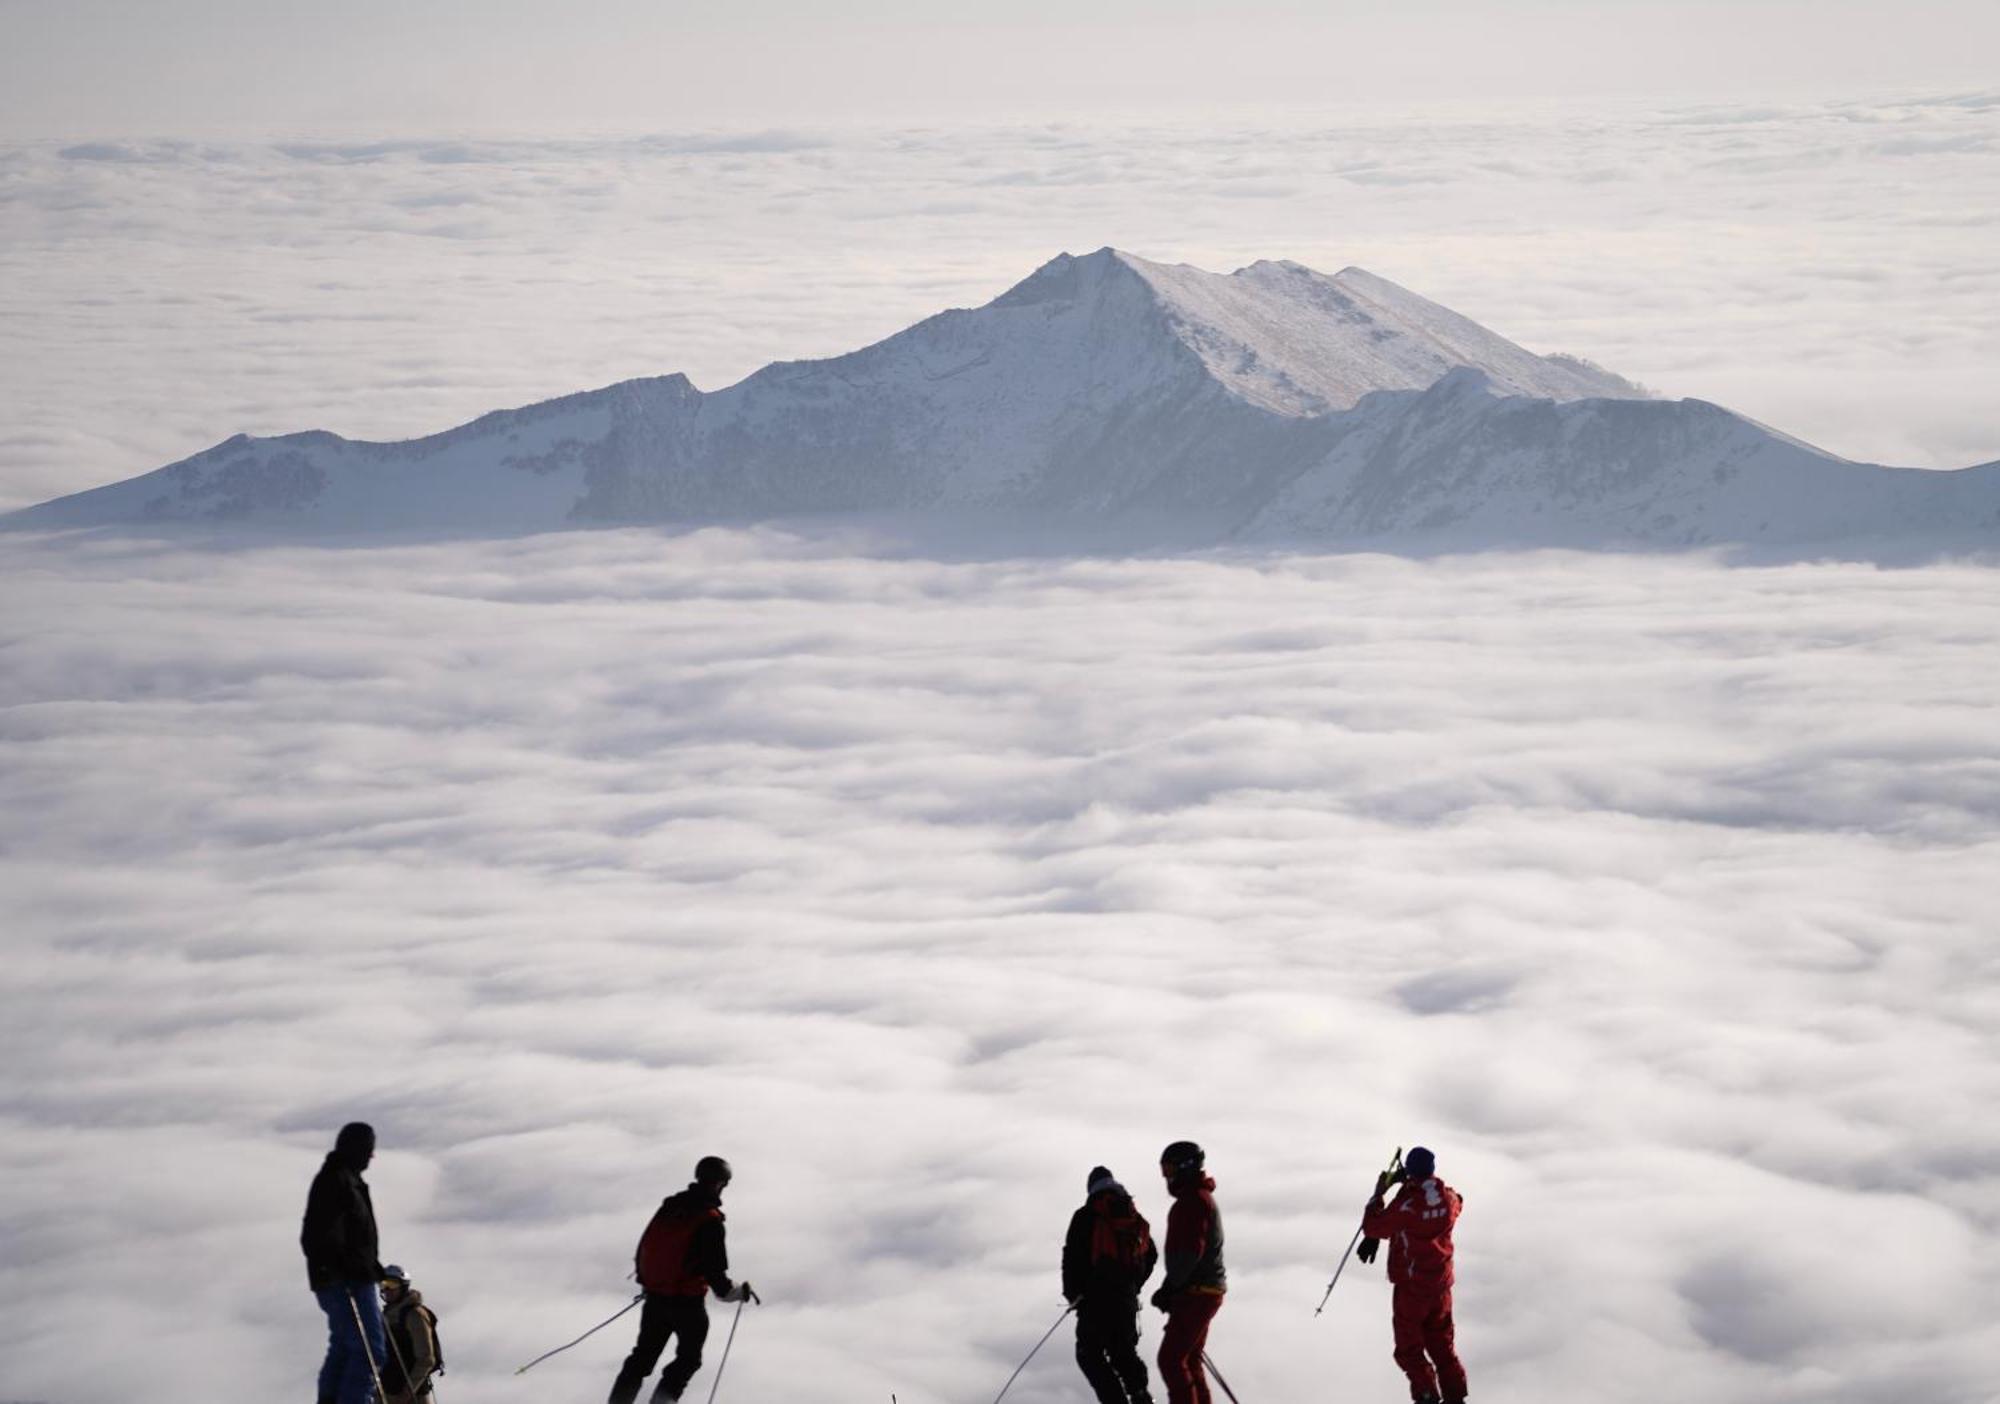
697,1196
342,1162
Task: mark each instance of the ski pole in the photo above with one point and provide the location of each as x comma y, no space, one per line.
723,1364
415,1387
1337,1271
1395,1162
1209,1361
381,1395
1067,1309
584,1337
402,1365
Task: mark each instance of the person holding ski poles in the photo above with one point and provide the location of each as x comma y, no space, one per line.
680,1259
1195,1281
1107,1256
413,1340
337,1236
1418,1223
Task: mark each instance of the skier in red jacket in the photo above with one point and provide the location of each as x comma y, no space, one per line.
1417,1223
1195,1280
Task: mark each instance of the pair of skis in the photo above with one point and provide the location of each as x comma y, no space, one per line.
1395,1169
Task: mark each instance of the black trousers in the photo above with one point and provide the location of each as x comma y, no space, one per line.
1107,1349
683,1318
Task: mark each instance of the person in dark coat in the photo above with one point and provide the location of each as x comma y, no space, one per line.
343,1267
1107,1256
1194,1282
681,1258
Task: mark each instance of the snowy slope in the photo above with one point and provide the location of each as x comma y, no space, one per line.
508,470
1461,462
1299,342
1174,405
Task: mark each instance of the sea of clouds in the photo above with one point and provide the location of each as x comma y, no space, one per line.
1655,894
1829,268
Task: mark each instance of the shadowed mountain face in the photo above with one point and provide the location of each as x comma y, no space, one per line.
1162,405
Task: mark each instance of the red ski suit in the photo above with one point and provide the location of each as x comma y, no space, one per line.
1417,1223
1194,1286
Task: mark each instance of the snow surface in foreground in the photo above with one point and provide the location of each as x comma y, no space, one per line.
1654,894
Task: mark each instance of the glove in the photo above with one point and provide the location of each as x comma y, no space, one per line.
1161,1298
741,1293
1369,1247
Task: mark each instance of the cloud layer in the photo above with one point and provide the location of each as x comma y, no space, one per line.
1827,268
1651,893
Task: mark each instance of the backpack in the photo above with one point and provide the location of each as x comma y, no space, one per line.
437,1342
665,1247
1120,1237
405,1349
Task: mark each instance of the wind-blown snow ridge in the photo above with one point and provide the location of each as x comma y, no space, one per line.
1297,341
1154,404
1301,343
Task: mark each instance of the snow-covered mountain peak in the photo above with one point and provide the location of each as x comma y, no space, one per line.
1069,278
1158,402
1298,342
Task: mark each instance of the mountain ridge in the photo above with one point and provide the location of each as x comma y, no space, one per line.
1176,404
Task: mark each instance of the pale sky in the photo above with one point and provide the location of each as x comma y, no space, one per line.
73,68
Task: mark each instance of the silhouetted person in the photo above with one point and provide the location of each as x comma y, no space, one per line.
1195,1281
1107,1256
1417,1223
342,1267
681,1257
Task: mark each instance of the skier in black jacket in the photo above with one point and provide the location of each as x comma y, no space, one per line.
681,1258
343,1267
1107,1256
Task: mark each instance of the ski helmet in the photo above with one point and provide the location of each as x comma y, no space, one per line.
1183,1155
712,1170
392,1273
1419,1163
1100,1178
